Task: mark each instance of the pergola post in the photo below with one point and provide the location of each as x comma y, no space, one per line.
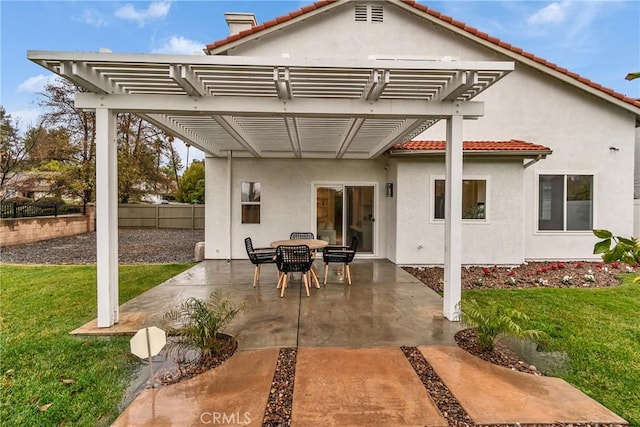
107,216
453,220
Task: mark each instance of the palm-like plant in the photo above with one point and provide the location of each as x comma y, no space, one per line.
494,320
196,325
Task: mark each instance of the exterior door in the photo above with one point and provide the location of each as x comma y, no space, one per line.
344,211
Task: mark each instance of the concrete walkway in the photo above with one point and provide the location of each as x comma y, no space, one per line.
363,387
350,369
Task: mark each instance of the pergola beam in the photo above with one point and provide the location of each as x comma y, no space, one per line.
83,76
282,83
256,106
460,84
182,133
45,59
399,134
354,127
236,132
291,124
184,77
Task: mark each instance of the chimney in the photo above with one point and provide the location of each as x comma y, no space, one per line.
239,21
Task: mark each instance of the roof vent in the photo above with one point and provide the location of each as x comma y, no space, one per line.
364,13
377,14
361,13
239,21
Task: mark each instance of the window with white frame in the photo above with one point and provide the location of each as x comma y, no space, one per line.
250,202
565,202
474,199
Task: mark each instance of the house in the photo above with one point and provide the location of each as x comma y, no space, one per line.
532,210
32,185
334,118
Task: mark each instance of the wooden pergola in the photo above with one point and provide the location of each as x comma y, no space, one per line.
267,107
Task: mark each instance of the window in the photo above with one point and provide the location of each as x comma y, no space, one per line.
250,202
565,202
474,198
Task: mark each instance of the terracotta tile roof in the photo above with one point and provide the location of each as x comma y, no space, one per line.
449,20
498,42
512,146
268,24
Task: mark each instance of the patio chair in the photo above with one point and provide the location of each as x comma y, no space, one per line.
297,235
340,254
259,256
301,235
293,259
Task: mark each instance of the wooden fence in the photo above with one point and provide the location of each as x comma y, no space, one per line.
161,216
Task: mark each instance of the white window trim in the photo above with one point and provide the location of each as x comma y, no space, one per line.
376,207
250,203
487,206
536,203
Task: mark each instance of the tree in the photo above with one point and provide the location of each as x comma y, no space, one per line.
143,150
15,149
191,184
78,168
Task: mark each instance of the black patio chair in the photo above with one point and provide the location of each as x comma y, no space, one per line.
293,259
259,256
340,254
301,235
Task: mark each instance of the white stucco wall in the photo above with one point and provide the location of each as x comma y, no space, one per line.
498,240
335,34
636,175
526,105
287,199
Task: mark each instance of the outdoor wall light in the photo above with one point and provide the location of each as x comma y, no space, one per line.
389,189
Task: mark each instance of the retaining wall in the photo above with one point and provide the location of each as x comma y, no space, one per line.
17,231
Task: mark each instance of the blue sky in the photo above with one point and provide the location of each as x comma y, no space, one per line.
597,39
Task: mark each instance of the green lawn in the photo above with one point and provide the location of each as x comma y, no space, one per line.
39,305
598,328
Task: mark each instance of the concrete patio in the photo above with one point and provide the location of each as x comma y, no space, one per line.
384,306
350,369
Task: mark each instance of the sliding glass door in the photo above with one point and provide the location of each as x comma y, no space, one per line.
344,211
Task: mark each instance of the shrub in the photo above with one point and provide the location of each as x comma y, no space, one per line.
196,325
493,320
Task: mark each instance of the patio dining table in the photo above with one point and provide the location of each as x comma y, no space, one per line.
313,245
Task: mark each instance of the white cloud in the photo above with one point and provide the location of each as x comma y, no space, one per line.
155,11
554,13
25,118
35,84
178,45
93,18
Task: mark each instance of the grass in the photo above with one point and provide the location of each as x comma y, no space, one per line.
598,328
47,376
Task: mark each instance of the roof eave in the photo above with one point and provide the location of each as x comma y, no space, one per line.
541,65
249,35
523,154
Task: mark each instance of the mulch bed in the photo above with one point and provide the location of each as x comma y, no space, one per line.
180,372
529,275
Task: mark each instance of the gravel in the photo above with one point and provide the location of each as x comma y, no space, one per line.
136,246
280,402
